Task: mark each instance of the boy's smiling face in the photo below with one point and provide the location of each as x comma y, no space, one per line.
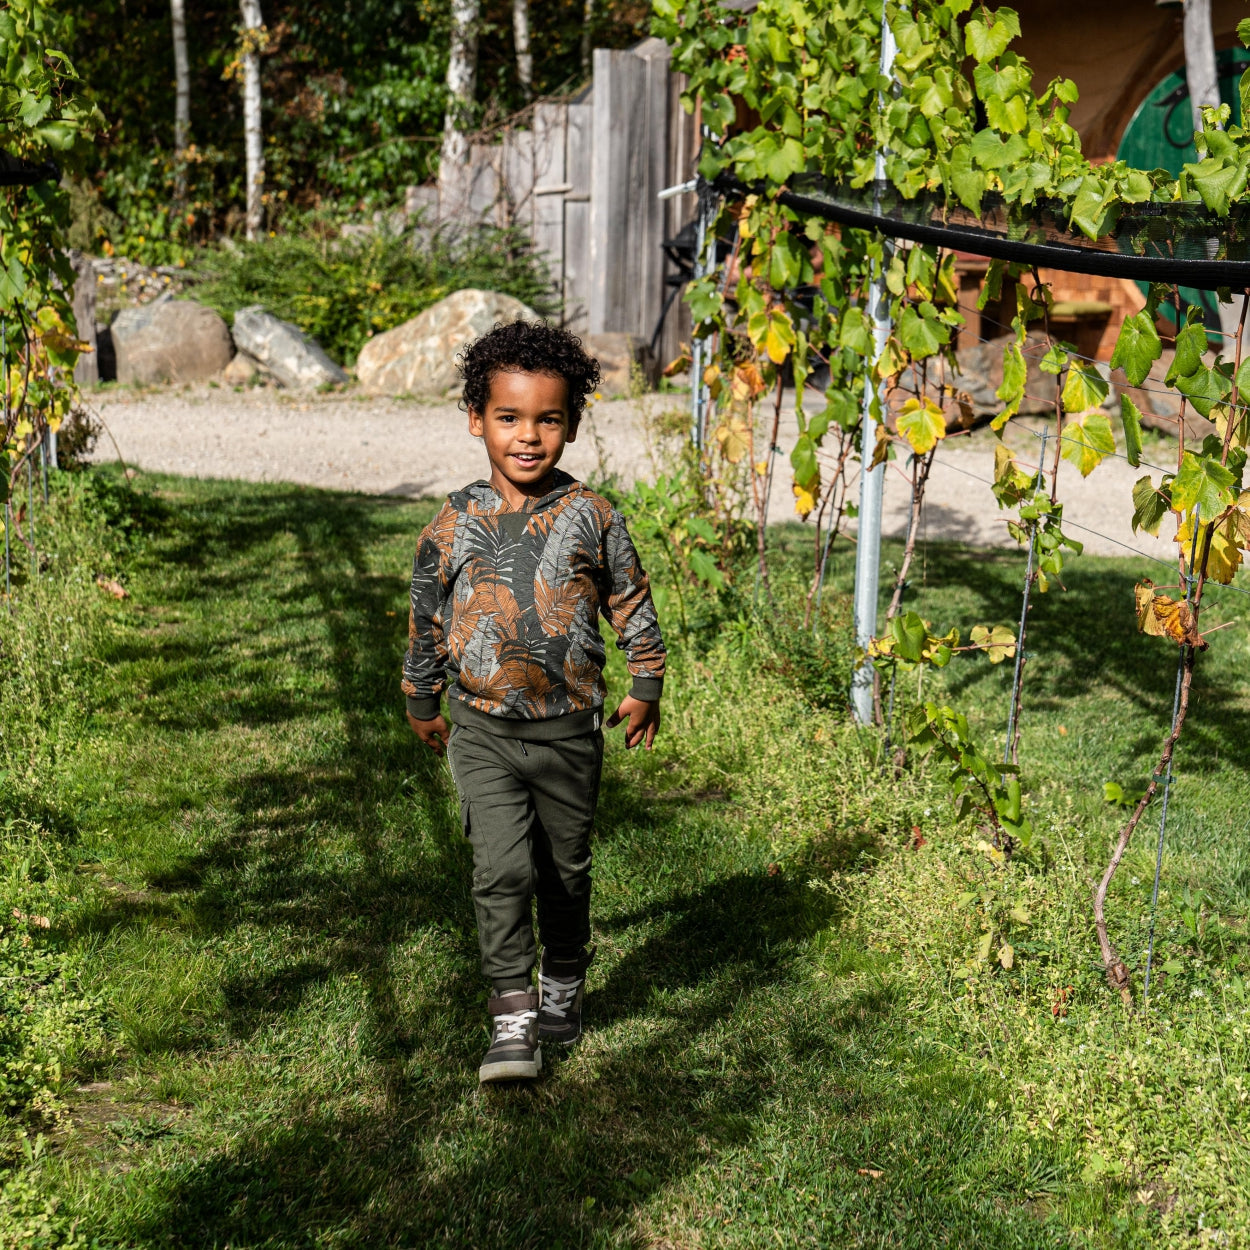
525,428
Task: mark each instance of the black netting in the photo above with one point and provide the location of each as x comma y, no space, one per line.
1172,243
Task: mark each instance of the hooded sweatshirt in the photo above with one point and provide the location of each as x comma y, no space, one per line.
505,612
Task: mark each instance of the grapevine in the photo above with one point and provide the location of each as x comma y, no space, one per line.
795,89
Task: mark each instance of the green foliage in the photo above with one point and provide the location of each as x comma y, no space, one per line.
679,526
44,123
986,790
343,291
354,97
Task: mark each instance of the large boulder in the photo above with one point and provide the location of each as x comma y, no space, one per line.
419,357
169,341
624,359
284,351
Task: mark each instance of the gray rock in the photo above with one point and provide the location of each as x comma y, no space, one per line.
283,350
419,357
242,370
169,341
619,355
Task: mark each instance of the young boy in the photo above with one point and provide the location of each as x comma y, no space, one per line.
507,587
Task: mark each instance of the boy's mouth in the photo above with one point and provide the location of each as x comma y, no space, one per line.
527,459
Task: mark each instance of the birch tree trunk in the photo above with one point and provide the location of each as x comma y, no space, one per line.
461,82
182,98
253,37
1204,85
521,36
588,16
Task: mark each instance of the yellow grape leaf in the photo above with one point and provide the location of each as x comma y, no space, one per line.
891,361
881,452
761,467
1165,617
749,375
779,337
1227,537
921,423
712,380
998,643
804,500
734,437
1087,440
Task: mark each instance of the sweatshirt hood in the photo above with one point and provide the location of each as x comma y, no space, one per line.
486,498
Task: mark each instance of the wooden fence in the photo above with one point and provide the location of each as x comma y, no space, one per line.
582,177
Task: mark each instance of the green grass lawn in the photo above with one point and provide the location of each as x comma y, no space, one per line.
259,896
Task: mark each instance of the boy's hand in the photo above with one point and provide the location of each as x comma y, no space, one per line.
433,733
644,721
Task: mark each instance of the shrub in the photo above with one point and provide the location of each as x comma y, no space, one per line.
343,291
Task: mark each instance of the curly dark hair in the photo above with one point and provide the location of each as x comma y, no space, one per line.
528,347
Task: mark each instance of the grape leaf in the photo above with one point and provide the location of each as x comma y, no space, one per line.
921,423
998,643
909,633
985,41
1202,483
854,333
1084,388
1217,180
1137,348
1165,617
1087,441
1150,505
922,336
1204,388
1130,417
1011,389
1191,346
1223,550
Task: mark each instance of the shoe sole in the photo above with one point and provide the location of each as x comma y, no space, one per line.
511,1070
557,1040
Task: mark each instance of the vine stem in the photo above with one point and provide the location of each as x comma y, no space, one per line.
1117,973
818,581
921,466
761,509
1195,580
1012,749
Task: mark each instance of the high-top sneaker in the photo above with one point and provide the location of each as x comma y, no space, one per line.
514,1053
563,986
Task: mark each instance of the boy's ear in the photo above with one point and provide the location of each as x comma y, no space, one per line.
475,423
572,435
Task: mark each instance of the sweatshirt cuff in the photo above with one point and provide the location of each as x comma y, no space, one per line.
648,689
424,707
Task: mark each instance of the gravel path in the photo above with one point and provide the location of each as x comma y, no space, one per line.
408,448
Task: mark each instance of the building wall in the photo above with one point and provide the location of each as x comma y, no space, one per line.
1115,51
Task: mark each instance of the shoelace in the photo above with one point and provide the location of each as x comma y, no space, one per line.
558,996
513,1026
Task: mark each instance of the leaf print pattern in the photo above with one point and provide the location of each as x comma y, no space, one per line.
505,605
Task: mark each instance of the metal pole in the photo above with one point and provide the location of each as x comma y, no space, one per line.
43,461
872,481
698,392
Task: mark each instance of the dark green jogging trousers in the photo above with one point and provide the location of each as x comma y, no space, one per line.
528,810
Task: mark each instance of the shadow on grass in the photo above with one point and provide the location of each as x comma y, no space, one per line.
342,859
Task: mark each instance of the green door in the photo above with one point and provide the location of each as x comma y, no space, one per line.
1161,136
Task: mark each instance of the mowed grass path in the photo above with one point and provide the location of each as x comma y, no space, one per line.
288,947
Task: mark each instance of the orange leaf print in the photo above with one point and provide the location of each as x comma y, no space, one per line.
556,606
